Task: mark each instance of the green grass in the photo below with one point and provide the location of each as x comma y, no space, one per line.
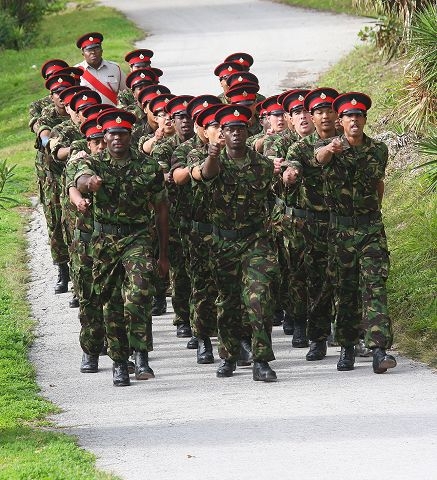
337,6
30,446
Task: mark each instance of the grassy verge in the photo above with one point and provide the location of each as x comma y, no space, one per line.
29,450
337,6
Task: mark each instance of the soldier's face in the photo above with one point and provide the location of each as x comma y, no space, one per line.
57,101
164,122
324,119
117,142
96,145
93,56
302,123
353,125
277,122
235,136
214,134
183,124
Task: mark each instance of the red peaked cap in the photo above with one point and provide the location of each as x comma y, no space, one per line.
160,102
227,68
199,103
243,93
147,93
319,98
271,105
352,102
294,100
142,55
260,110
89,40
91,129
93,111
233,115
239,78
51,66
81,100
178,105
56,83
67,94
116,120
207,115
242,58
142,76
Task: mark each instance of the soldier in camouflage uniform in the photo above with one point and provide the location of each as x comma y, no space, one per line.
353,169
92,333
203,314
52,116
162,153
309,217
124,184
238,180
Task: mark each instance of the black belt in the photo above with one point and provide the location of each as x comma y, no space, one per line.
307,214
83,236
355,220
201,227
122,230
235,234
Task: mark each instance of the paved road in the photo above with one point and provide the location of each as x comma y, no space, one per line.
186,423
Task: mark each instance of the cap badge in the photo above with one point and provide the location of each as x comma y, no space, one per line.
322,96
240,78
158,92
118,120
142,75
244,94
241,60
205,104
91,39
236,113
300,98
229,68
141,56
185,103
59,80
166,100
84,97
353,101
99,127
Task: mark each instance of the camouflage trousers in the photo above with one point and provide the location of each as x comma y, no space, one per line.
124,272
40,177
311,265
283,299
92,331
53,215
203,287
180,280
358,270
248,266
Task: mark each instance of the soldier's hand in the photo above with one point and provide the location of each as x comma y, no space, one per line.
336,145
159,133
214,150
94,183
83,205
290,175
277,163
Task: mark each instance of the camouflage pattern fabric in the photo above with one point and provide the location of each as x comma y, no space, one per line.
126,100
277,145
360,258
123,263
238,207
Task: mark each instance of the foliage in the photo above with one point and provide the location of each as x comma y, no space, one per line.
339,6
6,173
420,100
428,148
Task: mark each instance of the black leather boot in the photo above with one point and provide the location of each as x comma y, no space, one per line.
317,351
300,339
193,343
262,372
142,369
183,330
382,360
204,351
159,305
288,324
89,364
245,359
226,368
347,359
120,374
63,278
278,318
74,302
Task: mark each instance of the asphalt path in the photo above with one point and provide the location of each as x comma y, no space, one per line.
186,423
